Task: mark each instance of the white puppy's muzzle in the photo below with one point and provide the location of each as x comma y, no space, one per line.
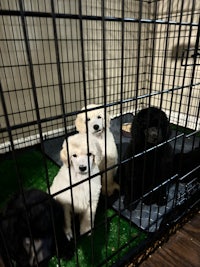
83,169
82,163
96,126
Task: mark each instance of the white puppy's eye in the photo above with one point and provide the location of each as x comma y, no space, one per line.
89,154
74,155
99,117
88,119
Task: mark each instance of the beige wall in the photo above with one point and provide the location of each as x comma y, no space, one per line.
173,68
143,75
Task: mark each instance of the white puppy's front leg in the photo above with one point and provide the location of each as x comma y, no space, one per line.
87,222
68,229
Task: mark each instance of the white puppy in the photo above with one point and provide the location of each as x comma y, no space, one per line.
80,161
96,124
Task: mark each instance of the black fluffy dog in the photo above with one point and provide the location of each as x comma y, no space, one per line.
147,169
187,165
40,221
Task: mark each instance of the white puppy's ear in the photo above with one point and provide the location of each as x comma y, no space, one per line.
80,123
63,153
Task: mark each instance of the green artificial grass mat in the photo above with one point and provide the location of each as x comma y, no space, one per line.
112,237
29,168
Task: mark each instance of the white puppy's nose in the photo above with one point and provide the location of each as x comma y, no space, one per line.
82,168
96,127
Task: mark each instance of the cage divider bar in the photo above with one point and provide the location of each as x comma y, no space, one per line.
87,130
190,87
86,17
48,47
137,97
151,81
153,53
61,100
176,62
58,64
63,111
121,112
165,55
150,95
103,25
163,84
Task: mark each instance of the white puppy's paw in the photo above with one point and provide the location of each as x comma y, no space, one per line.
68,233
85,229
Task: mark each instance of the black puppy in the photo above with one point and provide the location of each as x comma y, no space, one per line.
145,170
40,222
187,165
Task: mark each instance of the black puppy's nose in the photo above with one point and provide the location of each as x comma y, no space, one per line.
96,127
82,168
154,134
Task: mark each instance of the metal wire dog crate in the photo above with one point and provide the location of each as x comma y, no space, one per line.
58,56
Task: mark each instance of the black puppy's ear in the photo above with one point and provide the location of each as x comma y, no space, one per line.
137,128
169,131
166,129
134,126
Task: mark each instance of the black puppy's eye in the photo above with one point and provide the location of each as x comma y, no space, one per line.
74,155
99,117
